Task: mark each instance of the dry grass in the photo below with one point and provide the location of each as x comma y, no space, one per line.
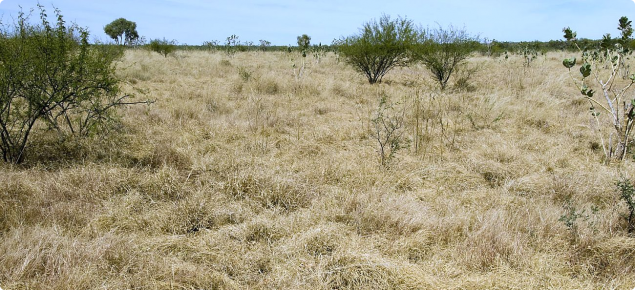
244,176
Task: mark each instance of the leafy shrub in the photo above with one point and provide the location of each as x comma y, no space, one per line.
51,76
163,46
444,50
627,193
380,47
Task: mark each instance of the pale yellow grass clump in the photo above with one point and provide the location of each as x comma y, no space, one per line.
246,175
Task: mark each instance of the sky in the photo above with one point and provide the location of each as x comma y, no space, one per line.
281,21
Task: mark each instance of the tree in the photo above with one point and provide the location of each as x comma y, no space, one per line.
380,47
443,50
122,31
52,79
162,46
304,41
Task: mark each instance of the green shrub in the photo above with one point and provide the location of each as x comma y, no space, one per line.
163,46
627,193
51,78
444,50
380,47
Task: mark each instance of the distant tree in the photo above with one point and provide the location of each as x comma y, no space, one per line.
442,50
163,46
264,44
232,40
491,48
122,31
304,41
381,46
211,45
232,44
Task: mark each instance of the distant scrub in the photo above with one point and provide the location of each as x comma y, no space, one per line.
162,46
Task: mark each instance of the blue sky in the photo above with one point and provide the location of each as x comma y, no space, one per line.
281,21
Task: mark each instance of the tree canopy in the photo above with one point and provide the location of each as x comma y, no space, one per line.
122,31
304,41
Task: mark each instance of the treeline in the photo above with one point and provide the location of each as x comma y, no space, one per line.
124,32
498,48
486,48
246,47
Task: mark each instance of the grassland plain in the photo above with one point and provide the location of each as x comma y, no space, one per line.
247,175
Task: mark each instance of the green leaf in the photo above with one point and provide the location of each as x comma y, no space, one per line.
585,70
584,91
569,62
587,92
569,34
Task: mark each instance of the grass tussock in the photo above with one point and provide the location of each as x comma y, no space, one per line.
249,173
